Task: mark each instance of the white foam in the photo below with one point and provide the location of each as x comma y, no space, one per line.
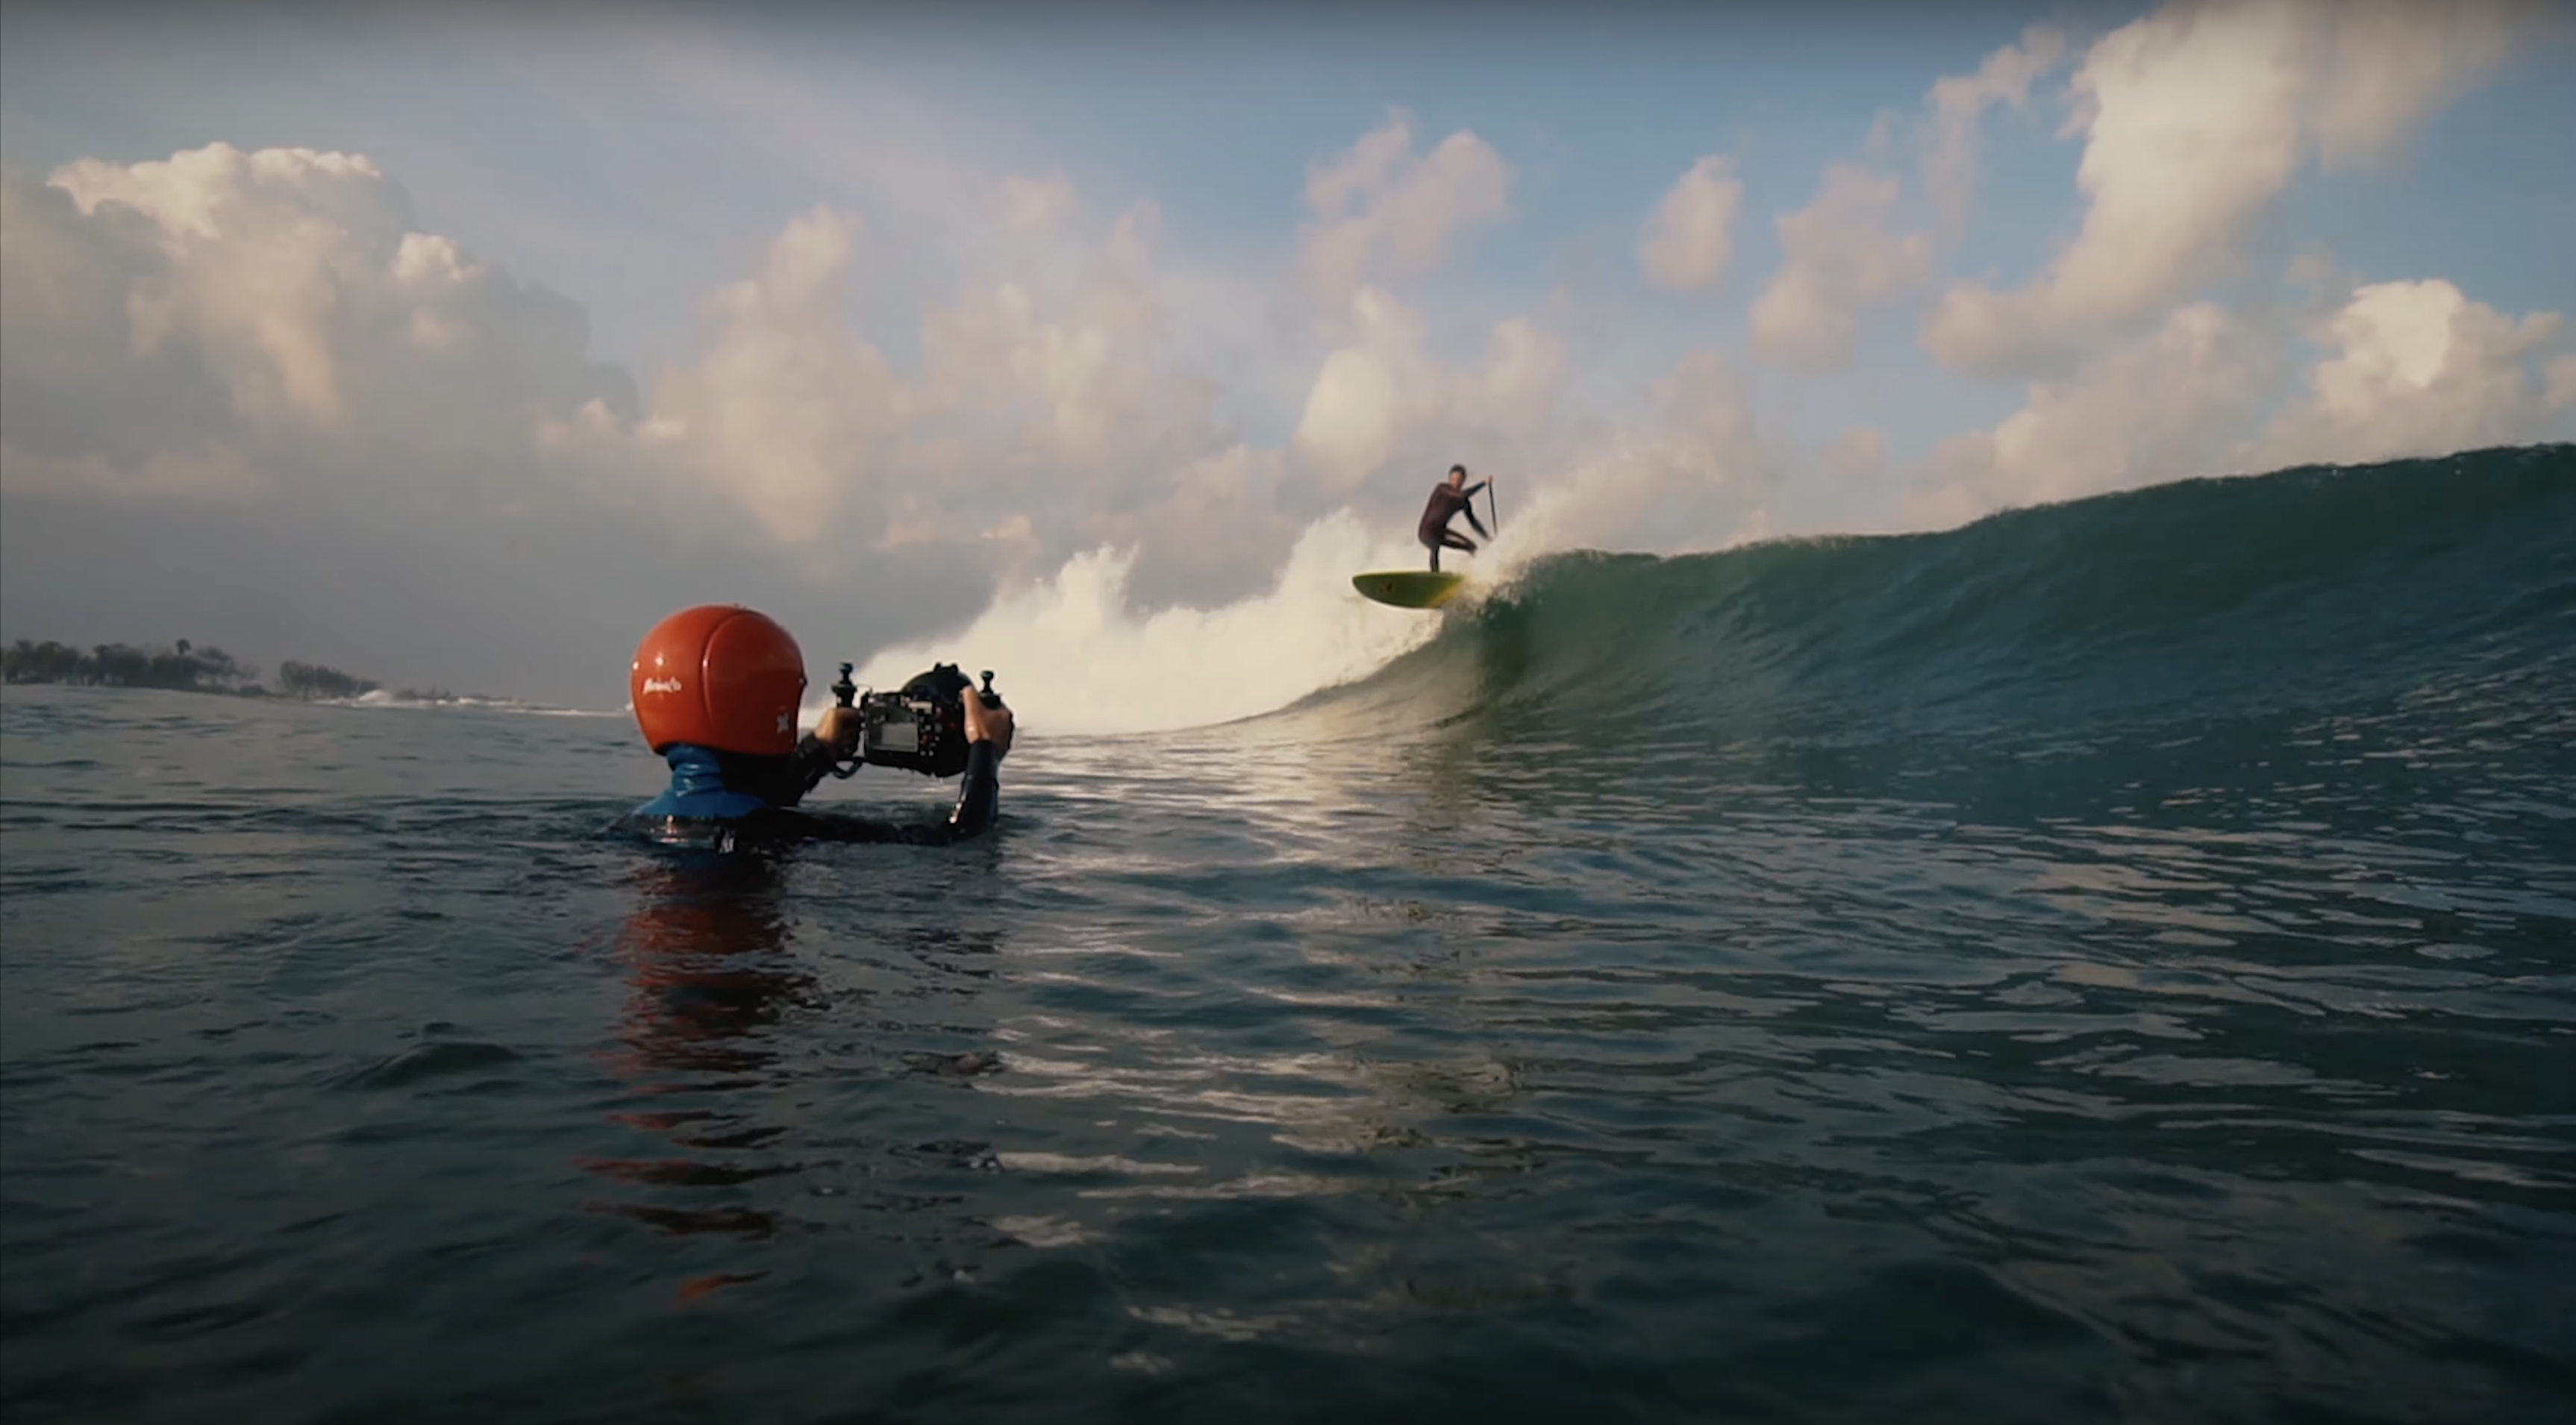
383,698
1072,658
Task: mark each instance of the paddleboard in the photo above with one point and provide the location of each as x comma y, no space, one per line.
1409,588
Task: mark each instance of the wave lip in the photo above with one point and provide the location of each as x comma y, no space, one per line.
2299,587
1073,659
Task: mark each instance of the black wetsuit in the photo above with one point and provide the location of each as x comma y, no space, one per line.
1447,503
730,801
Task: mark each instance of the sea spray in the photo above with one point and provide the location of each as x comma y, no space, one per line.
1072,657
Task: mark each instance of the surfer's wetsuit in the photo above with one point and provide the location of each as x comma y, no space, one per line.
732,801
1447,503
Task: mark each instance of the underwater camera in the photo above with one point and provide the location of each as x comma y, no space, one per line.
920,726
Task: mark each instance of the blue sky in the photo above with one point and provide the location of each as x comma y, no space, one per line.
640,163
542,146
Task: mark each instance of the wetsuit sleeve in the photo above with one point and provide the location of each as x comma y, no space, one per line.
1444,507
814,761
1469,492
779,781
978,800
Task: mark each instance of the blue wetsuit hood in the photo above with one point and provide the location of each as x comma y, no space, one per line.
698,791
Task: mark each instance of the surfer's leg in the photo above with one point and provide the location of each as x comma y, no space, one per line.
1452,539
1435,559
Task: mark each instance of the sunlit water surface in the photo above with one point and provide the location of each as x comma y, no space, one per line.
1312,1068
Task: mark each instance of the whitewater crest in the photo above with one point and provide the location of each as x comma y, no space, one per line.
2210,589
1072,657
407,699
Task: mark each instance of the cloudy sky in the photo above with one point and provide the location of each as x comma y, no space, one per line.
452,346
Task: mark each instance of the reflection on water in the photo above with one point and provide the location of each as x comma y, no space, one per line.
710,967
716,1052
1532,1065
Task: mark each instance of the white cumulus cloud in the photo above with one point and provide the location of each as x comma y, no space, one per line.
1839,260
221,321
1857,454
1033,204
1948,135
785,408
248,399
2194,118
1381,211
1695,474
1381,393
1045,388
1688,238
2395,61
226,373
2163,407
2419,369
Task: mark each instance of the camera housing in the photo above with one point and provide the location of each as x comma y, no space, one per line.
920,726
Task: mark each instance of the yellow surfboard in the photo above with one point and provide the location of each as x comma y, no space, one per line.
1409,588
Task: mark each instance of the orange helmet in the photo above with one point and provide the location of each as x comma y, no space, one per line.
720,676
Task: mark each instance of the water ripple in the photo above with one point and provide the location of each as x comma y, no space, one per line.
1782,1079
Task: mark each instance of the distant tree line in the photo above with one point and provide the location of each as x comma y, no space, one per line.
116,665
312,680
181,666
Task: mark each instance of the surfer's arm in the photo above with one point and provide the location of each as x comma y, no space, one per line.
1474,523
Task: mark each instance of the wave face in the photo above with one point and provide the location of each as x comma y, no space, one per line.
2218,597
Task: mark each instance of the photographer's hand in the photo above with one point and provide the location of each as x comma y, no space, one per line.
993,724
839,730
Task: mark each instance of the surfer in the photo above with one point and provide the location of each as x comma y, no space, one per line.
1449,499
716,689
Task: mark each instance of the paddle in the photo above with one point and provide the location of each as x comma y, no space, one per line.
1493,507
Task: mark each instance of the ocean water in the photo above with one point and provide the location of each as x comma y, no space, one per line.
2111,962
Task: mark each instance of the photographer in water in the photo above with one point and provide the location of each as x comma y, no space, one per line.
716,689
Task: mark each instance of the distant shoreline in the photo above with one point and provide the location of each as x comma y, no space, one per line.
400,697
183,667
